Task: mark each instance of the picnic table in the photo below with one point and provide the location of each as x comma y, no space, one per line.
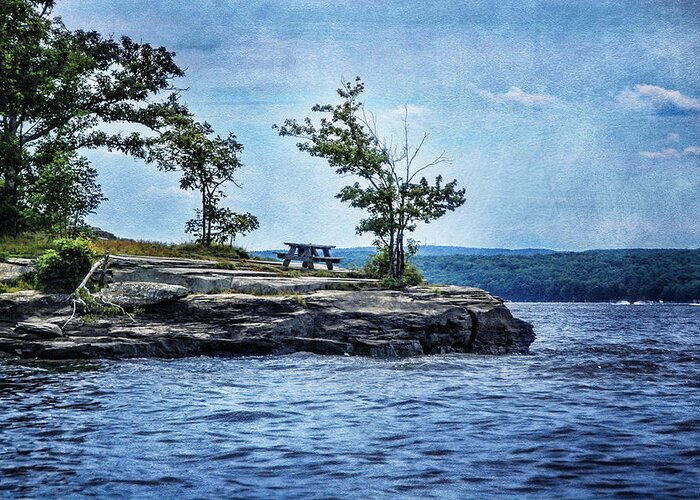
308,254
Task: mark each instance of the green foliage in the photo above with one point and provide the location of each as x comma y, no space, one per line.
63,268
28,245
206,164
227,264
223,225
58,88
63,194
377,266
299,299
266,268
182,250
18,285
412,275
93,310
387,188
592,276
392,283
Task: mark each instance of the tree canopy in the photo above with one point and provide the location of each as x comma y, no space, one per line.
58,88
388,185
206,164
591,276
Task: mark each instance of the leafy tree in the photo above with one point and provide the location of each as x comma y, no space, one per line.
225,225
59,87
63,194
206,164
388,187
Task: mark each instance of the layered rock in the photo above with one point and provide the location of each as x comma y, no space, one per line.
14,269
142,294
379,323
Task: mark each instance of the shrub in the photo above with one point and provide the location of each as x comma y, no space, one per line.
63,268
377,266
412,275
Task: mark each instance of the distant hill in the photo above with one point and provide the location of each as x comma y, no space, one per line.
356,256
590,276
542,275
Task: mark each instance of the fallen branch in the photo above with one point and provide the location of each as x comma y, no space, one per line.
83,289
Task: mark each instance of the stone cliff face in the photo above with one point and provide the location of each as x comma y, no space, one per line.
312,315
369,323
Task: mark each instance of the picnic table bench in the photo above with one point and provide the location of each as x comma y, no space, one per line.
308,254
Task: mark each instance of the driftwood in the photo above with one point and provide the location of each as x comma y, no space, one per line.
82,288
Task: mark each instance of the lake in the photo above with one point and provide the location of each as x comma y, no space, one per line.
607,405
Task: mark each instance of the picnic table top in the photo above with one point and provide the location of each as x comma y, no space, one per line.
314,245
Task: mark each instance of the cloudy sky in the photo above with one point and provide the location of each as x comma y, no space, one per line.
572,124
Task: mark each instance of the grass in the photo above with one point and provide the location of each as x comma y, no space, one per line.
28,246
31,245
182,250
17,285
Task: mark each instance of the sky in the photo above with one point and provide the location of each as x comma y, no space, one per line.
572,124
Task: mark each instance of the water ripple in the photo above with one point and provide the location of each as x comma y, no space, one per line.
605,407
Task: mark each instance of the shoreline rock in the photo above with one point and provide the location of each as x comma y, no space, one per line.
183,313
378,323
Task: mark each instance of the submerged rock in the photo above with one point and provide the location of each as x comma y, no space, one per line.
380,323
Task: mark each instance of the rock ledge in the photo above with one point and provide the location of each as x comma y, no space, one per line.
380,323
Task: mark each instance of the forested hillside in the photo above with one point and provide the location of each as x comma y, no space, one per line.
357,256
596,275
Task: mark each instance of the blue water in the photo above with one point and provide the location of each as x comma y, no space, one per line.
607,406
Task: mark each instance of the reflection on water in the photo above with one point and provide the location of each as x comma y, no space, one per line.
607,405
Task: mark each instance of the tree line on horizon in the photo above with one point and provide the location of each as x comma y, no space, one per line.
61,89
592,276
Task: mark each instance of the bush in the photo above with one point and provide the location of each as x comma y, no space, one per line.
412,275
377,266
63,268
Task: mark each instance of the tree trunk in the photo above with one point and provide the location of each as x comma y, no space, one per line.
10,219
391,254
203,240
400,256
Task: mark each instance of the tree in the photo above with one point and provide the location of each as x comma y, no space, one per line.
388,187
59,87
63,194
225,225
206,164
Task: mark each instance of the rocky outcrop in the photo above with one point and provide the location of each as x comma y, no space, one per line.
201,276
380,323
142,294
25,329
13,269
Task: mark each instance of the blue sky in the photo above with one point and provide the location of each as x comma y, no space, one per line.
571,124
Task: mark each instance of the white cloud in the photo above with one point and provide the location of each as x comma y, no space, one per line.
673,137
517,96
692,150
658,99
664,153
